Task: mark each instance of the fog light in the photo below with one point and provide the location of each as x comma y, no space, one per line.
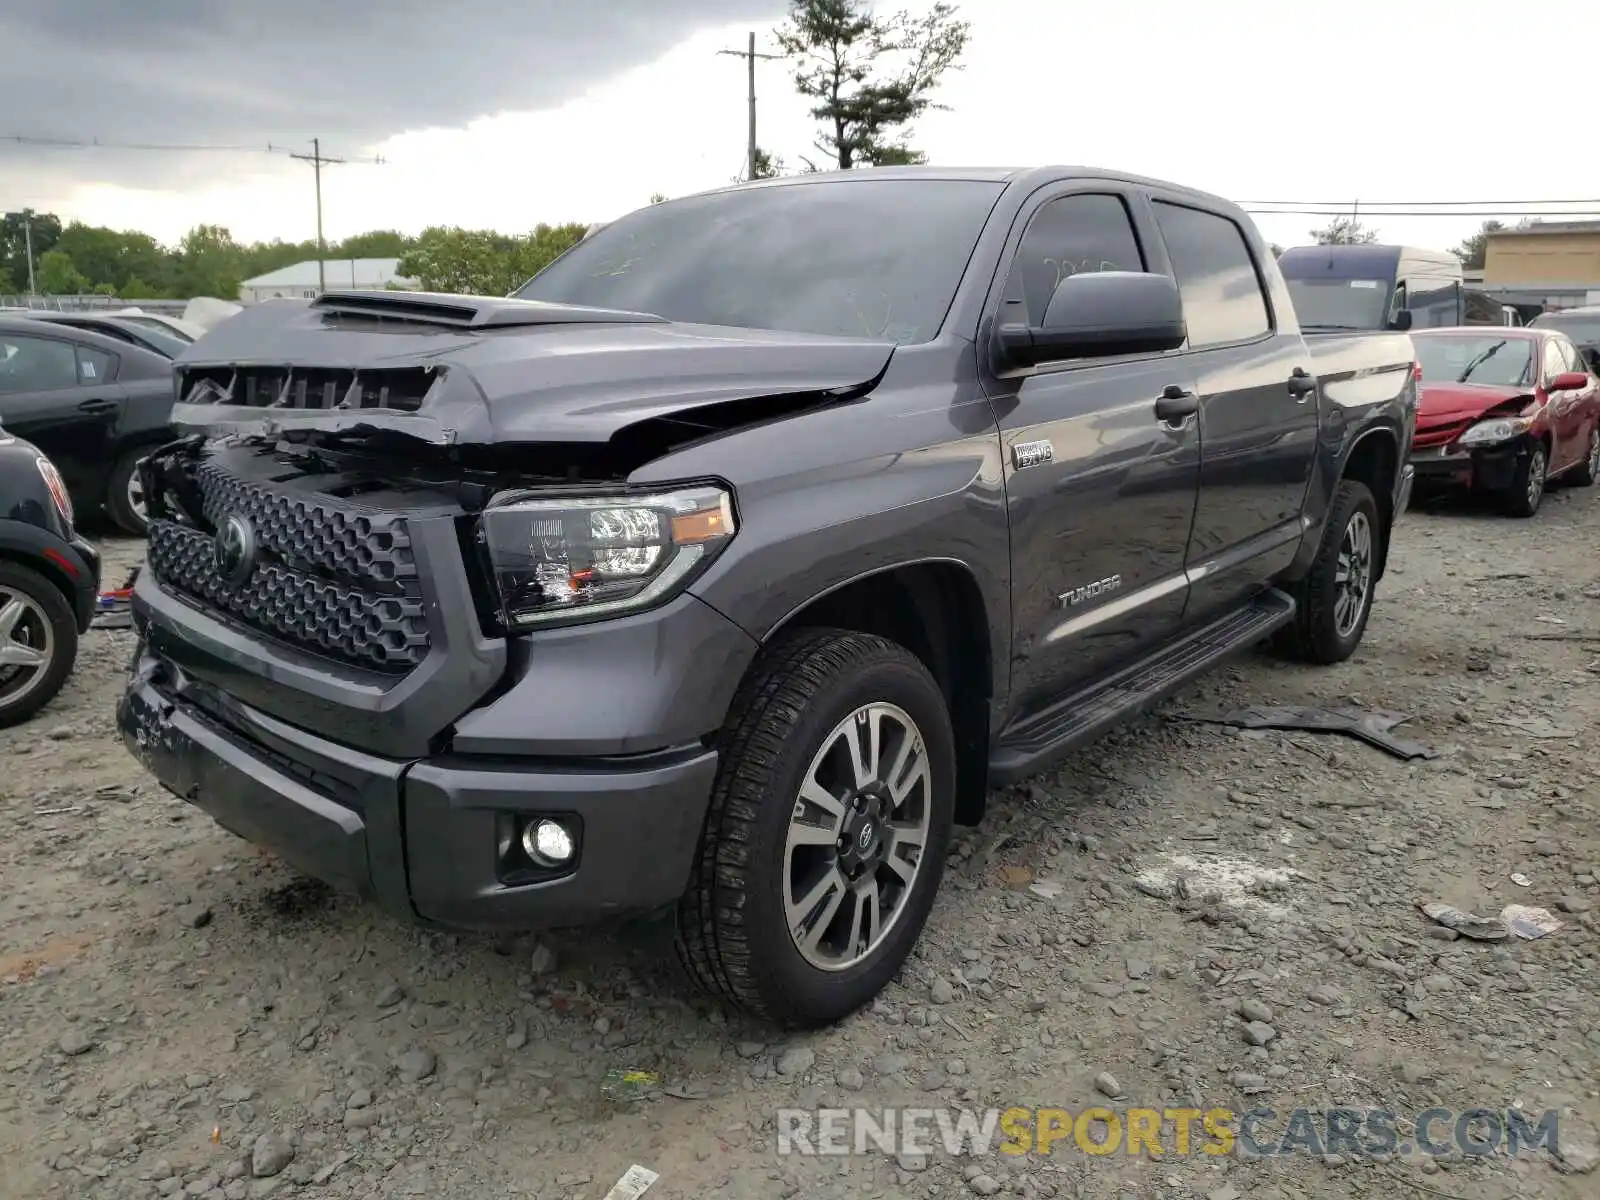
547,843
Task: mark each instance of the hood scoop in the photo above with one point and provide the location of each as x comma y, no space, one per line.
467,312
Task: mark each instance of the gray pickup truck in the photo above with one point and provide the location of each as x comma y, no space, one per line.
726,566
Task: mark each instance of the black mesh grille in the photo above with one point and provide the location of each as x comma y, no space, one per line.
336,583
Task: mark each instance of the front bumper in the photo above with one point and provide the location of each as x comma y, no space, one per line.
426,839
1490,468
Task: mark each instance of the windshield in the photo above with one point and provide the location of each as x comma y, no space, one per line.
1340,303
869,258
1583,328
159,327
162,341
1489,360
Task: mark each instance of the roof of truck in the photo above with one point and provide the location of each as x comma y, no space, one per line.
1007,175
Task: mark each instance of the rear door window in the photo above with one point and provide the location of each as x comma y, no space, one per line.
1223,301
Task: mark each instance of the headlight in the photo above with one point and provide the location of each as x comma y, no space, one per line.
576,558
1498,429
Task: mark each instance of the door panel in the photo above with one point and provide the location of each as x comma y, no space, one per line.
65,403
1100,491
1258,433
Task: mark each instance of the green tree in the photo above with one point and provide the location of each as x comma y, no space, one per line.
870,76
8,286
768,166
14,227
138,289
480,262
379,243
58,276
658,197
210,263
1344,231
1277,250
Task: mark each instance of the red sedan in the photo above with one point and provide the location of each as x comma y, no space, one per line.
1504,410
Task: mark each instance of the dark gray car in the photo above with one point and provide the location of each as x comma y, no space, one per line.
723,569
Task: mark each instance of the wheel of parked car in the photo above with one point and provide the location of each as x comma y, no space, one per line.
1589,470
125,494
1527,484
38,642
1335,598
825,841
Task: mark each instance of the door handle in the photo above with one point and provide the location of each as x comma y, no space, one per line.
97,406
1301,385
1175,404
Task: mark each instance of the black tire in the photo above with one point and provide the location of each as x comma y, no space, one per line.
733,935
46,613
1526,492
1317,634
1586,472
119,505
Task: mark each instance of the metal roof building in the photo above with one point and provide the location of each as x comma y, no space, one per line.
302,280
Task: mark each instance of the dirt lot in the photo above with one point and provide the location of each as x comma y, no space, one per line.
168,995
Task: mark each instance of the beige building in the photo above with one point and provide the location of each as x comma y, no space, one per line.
1553,252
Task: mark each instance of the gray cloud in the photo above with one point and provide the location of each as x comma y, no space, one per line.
351,72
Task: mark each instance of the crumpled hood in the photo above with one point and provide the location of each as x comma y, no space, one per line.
497,370
1439,402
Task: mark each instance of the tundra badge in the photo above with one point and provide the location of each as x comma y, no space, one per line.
1090,591
1032,454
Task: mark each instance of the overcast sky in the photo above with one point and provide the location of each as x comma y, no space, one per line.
497,114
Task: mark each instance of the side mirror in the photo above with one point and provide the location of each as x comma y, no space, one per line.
1402,321
1100,315
1569,381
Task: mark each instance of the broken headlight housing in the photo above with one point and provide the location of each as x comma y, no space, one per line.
556,559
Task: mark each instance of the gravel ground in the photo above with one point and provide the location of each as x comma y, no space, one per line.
181,1015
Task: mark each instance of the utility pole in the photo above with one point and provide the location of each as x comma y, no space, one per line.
316,160
27,235
750,57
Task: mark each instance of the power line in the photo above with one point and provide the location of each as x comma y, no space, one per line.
1347,204
160,147
1515,214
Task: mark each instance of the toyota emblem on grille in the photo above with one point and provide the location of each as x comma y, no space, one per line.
234,551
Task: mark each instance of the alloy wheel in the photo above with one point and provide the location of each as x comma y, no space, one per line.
1352,578
1536,466
27,643
856,837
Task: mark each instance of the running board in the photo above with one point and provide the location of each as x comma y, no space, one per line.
1036,743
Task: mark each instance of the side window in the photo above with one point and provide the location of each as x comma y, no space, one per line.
30,364
1402,300
1222,297
1554,360
94,366
1070,236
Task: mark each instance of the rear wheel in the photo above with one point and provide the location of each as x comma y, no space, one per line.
824,845
125,494
1527,483
1335,598
38,642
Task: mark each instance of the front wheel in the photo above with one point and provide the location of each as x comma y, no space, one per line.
1589,469
825,840
1527,483
1335,598
38,642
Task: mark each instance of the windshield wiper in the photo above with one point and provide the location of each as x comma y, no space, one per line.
1315,325
1480,360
